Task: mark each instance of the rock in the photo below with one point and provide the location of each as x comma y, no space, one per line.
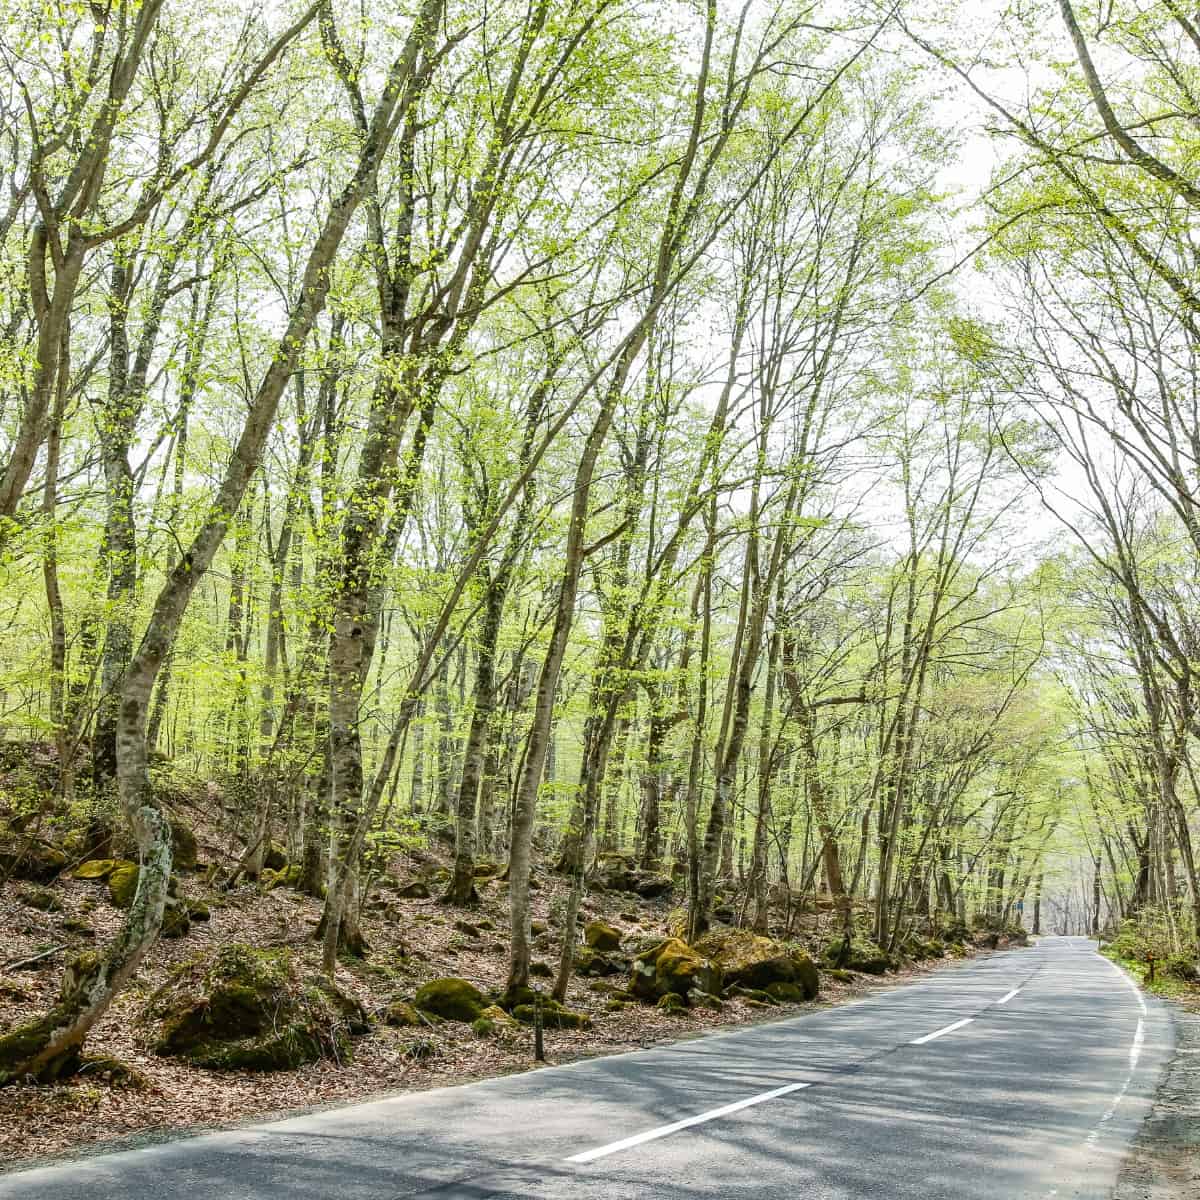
485,870
274,857
183,844
33,861
466,928
112,1071
198,910
43,899
416,890
753,996
485,924
540,970
498,1016
554,1016
420,1049
752,961
454,999
240,1008
176,919
862,955
538,927
97,868
672,1002
122,883
402,1014
617,874
672,966
599,935
589,962
699,999
615,1005
788,992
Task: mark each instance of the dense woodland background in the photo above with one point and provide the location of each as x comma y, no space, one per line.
608,441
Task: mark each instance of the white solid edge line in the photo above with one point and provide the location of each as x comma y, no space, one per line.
675,1126
1006,999
937,1033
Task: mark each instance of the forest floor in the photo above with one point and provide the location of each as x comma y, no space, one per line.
1165,1161
412,940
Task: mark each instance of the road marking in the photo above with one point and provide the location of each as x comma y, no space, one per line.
937,1033
699,1119
1006,999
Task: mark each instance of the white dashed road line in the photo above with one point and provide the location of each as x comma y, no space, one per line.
699,1119
937,1033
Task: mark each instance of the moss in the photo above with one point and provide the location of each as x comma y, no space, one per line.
122,883
540,970
840,974
615,1005
787,992
554,1016
698,999
246,1009
402,1014
183,844
601,936
672,1002
482,1027
454,999
538,927
98,868
43,899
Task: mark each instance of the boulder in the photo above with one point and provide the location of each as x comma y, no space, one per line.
43,899
672,966
672,1002
617,874
97,868
274,857
599,935
751,961
451,998
414,891
34,861
554,1016
861,955
183,844
240,1008
589,962
122,883
402,1014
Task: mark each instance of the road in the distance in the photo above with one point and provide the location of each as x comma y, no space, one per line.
1022,1074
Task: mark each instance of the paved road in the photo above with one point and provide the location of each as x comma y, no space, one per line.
1023,1074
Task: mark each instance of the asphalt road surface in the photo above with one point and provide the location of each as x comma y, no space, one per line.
1022,1074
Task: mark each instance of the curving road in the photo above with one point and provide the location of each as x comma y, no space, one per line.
1022,1074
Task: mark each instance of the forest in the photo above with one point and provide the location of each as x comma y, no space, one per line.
543,471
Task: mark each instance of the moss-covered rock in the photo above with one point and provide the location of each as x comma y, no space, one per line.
749,960
40,898
862,955
451,998
699,999
599,935
183,844
789,993
672,1002
246,1009
275,857
540,970
404,1015
590,962
31,860
122,883
416,890
673,966
97,868
554,1016
538,927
